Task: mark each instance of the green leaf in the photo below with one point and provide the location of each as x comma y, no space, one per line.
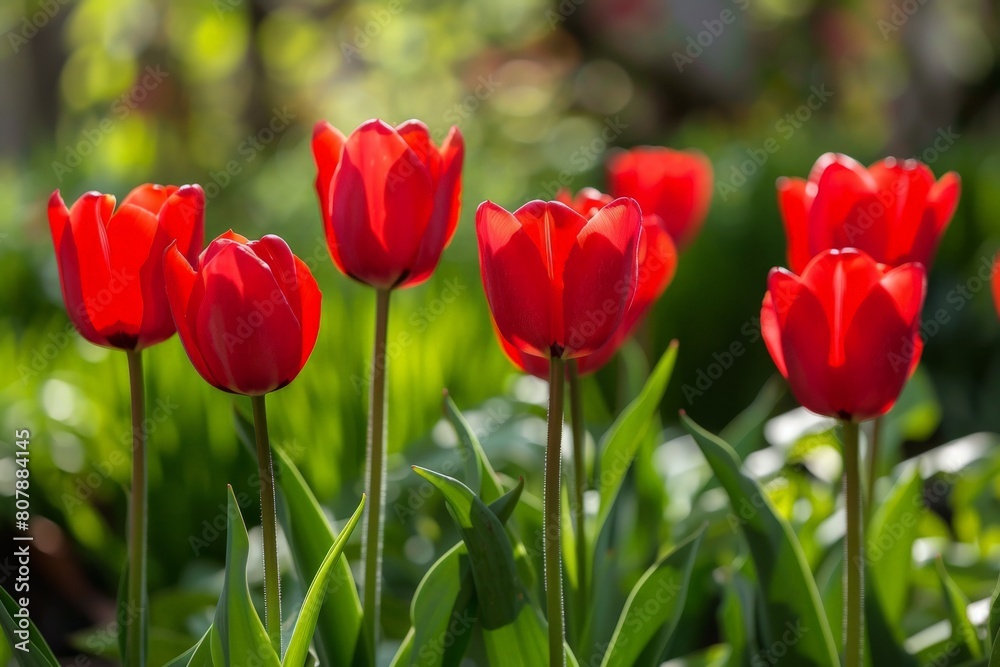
889,544
654,606
788,591
305,625
993,627
488,482
619,444
241,636
523,642
491,556
444,604
963,632
35,652
199,655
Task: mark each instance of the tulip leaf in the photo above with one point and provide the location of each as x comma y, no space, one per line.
239,631
788,591
889,544
310,536
963,632
654,607
486,478
523,642
305,625
199,655
993,627
488,483
29,649
444,606
620,443
491,557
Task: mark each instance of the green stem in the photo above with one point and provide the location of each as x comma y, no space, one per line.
269,524
854,551
580,485
873,464
138,612
551,499
376,472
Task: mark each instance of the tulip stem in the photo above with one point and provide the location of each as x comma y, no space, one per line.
138,612
269,525
579,487
854,554
375,475
551,499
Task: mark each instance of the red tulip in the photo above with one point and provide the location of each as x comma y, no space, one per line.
389,199
111,261
846,333
893,210
657,259
674,185
247,312
557,283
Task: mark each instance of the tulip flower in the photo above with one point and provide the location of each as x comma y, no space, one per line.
846,335
558,284
111,260
111,273
246,311
893,210
248,315
657,260
674,185
390,200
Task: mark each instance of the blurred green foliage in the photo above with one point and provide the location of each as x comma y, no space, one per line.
107,94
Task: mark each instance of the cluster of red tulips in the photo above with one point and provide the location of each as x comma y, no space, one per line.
567,281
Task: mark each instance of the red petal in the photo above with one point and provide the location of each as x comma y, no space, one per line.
782,288
840,280
183,218
310,308
67,256
181,281
879,355
250,338
447,198
140,303
150,196
846,212
805,349
515,279
902,190
996,283
599,277
327,146
795,196
382,201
